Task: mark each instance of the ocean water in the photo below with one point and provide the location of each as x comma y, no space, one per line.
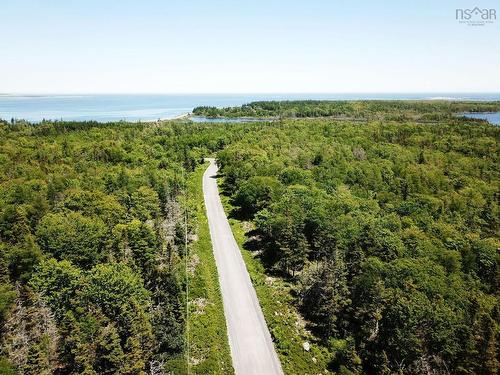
152,107
492,117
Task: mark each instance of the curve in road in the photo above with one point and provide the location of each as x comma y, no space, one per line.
252,349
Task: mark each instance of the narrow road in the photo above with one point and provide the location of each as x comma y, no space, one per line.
252,349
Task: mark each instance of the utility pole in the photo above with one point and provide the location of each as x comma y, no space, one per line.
186,256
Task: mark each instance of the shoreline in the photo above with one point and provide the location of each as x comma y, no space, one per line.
178,117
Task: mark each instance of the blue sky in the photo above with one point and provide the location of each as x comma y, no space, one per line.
190,46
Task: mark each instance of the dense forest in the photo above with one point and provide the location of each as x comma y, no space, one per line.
388,230
430,110
92,244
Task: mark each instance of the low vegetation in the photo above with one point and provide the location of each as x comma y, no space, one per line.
206,317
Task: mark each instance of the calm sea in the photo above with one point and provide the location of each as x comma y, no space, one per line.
492,117
152,107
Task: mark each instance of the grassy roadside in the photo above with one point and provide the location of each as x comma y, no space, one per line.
209,347
285,323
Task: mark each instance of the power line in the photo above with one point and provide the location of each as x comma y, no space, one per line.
186,265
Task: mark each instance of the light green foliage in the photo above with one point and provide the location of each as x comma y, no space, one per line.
94,204
112,287
72,236
57,282
145,204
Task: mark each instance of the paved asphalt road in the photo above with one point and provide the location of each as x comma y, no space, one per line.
252,349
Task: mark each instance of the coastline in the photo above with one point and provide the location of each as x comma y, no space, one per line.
180,117
113,108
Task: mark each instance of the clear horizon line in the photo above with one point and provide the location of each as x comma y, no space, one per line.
246,93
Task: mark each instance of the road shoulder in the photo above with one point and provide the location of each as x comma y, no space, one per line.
285,324
209,347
